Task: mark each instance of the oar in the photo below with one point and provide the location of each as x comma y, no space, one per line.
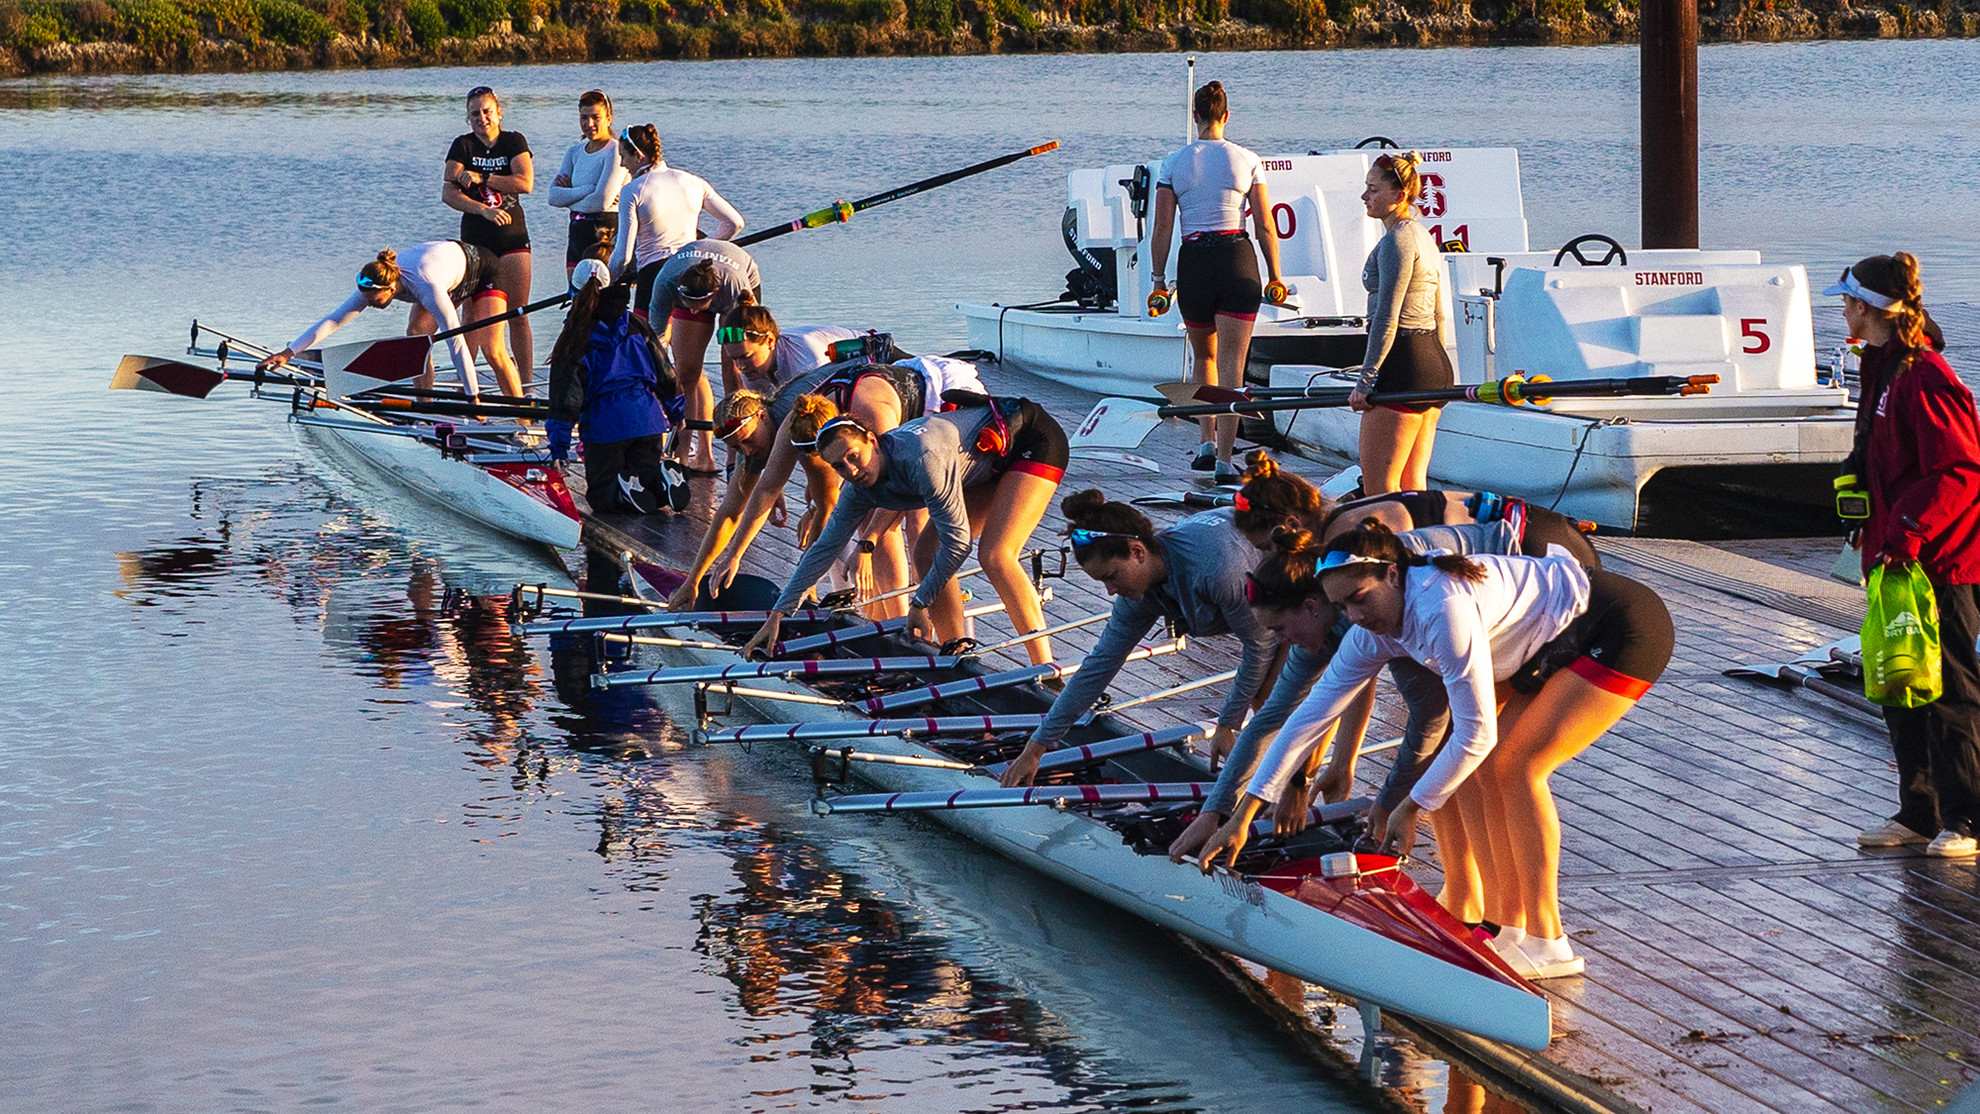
507,315
1124,422
1160,694
840,212
839,636
1058,796
1050,760
992,682
1182,394
620,624
1186,499
176,377
829,667
462,409
857,729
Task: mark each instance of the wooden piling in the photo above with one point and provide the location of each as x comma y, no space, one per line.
1669,78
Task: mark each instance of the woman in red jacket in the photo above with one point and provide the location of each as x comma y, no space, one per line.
1918,452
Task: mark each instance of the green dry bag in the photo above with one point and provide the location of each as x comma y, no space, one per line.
1901,638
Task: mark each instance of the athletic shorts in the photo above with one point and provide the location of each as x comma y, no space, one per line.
1217,276
1545,528
478,280
643,292
1620,644
591,238
705,316
1038,444
498,239
1416,362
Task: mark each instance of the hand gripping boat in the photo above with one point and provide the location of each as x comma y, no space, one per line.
1369,933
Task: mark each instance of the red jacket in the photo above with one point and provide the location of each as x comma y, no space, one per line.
1923,467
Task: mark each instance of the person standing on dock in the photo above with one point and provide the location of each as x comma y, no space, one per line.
985,471
1575,649
1405,333
488,171
589,181
1207,186
1918,451
659,218
1192,574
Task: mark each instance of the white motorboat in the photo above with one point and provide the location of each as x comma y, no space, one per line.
1753,457
1102,338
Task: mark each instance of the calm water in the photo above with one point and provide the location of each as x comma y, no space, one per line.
281,823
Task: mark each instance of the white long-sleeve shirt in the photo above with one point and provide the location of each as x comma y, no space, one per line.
596,179
660,213
433,271
1473,635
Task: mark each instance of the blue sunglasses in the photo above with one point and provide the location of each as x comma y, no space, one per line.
1081,537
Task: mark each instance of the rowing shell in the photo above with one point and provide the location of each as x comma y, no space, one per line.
1377,939
524,498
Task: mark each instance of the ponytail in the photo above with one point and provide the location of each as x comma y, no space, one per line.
1400,170
1374,541
1270,495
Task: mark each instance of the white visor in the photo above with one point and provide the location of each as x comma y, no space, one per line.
1850,286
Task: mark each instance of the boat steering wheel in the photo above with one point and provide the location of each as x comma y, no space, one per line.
1381,141
1573,247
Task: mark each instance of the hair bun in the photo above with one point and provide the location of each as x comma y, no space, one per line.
1292,539
388,257
1082,505
1259,465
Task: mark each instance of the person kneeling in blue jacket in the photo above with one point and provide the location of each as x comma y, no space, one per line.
611,379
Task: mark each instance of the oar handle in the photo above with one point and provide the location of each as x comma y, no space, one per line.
510,315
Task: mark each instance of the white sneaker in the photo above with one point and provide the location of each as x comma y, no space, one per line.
1561,968
1951,844
1890,833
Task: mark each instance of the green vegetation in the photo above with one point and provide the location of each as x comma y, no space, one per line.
152,35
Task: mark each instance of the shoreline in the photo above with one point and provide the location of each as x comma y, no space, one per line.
78,37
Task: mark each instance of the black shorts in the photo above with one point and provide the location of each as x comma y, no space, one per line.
1416,362
1038,444
1545,528
643,293
499,239
591,237
1621,643
1217,275
479,278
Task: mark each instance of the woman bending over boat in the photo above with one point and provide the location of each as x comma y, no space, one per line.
1573,651
1405,333
881,396
610,378
439,278
1193,573
488,171
1918,454
1272,497
758,355
588,183
703,279
1207,185
984,471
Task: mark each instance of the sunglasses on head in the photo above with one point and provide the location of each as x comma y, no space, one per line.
736,425
736,334
843,421
366,282
1081,537
1336,559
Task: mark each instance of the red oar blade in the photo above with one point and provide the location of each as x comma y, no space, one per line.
352,369
1184,394
172,377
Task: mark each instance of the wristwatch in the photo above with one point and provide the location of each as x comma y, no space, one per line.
866,545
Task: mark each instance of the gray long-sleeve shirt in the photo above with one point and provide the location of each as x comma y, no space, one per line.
735,268
1204,595
1422,690
928,462
1401,279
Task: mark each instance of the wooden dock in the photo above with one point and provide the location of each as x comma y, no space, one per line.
1743,954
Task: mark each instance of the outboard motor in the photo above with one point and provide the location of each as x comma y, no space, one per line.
1091,283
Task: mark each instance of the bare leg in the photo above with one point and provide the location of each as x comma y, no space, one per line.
1416,467
1387,436
512,275
1203,370
1013,514
1233,348
1460,828
1492,844
420,323
1568,715
690,346
489,342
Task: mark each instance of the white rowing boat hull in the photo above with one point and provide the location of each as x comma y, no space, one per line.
1239,917
522,506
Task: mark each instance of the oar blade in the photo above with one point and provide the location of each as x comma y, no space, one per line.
1183,394
172,377
352,369
1116,423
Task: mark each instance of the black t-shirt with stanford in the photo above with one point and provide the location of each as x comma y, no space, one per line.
492,159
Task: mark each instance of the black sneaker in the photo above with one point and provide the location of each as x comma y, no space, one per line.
1205,458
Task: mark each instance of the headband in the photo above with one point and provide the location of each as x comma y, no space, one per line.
833,425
